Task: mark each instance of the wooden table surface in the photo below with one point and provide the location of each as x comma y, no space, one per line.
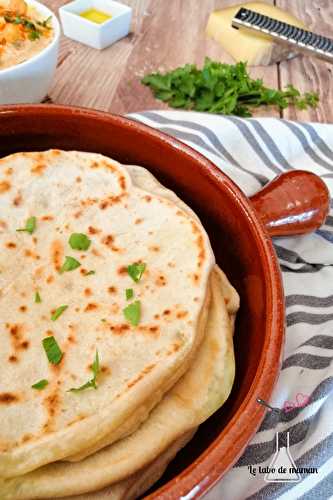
169,33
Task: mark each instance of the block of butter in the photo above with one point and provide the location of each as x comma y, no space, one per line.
257,49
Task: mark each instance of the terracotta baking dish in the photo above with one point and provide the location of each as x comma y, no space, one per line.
296,203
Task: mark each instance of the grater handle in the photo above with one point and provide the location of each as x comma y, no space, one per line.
287,34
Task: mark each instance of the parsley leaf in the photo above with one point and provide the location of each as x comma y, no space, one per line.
52,349
58,312
69,265
88,273
79,241
133,312
33,35
129,293
87,385
95,366
40,384
136,271
92,382
222,88
38,299
30,225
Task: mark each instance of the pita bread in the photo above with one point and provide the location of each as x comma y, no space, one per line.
71,192
129,465
137,484
196,396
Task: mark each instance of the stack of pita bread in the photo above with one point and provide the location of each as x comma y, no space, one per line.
116,327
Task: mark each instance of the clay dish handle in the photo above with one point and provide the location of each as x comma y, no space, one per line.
295,202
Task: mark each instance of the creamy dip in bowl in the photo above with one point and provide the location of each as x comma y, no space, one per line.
23,32
29,40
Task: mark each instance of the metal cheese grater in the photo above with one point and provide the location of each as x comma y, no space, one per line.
302,40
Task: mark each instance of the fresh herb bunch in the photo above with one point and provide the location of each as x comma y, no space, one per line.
222,88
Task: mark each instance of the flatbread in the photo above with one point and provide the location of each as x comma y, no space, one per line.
82,192
137,484
199,393
144,179
128,465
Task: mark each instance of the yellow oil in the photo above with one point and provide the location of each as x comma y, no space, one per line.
96,16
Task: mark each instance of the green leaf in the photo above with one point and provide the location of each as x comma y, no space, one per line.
95,366
158,81
92,382
52,349
38,299
58,312
129,293
188,86
69,265
310,99
40,384
220,89
79,241
30,225
164,95
34,35
136,271
87,385
89,273
178,101
133,313
205,100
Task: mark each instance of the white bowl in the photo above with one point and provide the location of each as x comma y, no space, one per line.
29,82
93,34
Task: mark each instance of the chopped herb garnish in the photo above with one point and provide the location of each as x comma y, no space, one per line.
87,385
33,32
92,382
58,312
40,384
45,23
30,225
79,241
222,88
136,271
38,299
133,312
69,265
34,35
129,293
104,320
53,352
89,273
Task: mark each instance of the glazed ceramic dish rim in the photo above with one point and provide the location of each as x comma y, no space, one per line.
209,467
42,9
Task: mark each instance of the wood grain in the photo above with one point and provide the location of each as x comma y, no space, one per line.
174,35
167,34
309,73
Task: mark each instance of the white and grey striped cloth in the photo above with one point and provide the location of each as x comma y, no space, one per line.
252,152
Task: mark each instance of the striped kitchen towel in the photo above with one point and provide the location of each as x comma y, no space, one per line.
252,152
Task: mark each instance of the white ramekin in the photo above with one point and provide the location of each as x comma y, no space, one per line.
96,35
29,81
